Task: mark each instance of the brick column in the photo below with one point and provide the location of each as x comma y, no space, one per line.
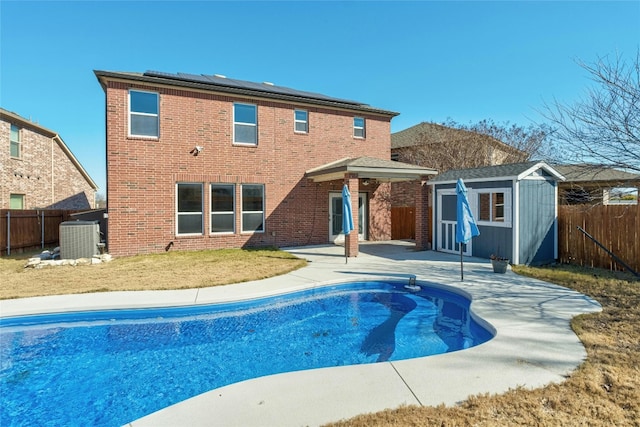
422,214
351,239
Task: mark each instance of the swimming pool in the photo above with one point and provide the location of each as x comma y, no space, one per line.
111,367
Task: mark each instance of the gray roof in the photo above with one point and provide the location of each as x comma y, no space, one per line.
594,173
223,84
370,168
495,173
436,133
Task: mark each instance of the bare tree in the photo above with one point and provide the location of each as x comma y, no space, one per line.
455,146
101,201
603,128
532,141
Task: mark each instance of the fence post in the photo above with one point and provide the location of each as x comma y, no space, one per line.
8,232
42,228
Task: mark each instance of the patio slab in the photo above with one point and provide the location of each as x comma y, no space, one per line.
533,346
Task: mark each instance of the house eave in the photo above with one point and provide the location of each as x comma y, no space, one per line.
105,76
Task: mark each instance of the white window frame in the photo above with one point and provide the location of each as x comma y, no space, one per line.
179,214
13,142
296,121
232,211
507,207
15,195
235,123
136,113
362,128
242,211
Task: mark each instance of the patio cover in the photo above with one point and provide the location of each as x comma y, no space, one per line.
369,168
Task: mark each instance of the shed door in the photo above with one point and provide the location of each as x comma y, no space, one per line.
446,224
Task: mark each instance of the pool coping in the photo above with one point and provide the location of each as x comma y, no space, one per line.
534,344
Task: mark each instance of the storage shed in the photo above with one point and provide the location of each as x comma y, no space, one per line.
515,206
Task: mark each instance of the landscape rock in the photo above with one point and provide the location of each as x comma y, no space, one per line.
32,262
51,259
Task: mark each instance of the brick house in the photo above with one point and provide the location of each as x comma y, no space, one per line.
442,148
206,162
38,171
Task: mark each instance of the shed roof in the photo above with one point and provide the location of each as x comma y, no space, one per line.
219,83
514,171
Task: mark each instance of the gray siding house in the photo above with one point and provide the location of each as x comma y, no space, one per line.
515,206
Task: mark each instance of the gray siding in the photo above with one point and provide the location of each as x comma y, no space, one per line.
492,240
537,222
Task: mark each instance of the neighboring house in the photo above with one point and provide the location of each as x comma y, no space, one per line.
38,169
515,206
587,184
441,148
205,162
444,148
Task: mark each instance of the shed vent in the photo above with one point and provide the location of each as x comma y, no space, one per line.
79,239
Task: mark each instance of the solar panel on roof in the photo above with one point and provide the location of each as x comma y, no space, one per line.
242,84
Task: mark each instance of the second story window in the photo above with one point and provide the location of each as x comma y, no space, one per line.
301,119
16,149
143,114
358,127
245,124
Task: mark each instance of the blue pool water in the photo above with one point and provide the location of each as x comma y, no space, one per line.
111,367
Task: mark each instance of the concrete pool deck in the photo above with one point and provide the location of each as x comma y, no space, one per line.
533,346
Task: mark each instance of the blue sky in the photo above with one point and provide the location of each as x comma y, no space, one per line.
429,61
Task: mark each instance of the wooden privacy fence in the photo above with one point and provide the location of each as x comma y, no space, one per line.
30,229
616,227
403,223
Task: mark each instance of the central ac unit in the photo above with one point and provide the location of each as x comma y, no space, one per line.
79,239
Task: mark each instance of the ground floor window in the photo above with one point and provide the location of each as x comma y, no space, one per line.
189,208
252,208
16,201
223,217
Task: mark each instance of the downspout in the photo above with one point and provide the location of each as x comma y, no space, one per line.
53,195
434,205
555,221
515,212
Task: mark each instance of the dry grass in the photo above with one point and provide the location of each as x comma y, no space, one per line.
171,270
604,391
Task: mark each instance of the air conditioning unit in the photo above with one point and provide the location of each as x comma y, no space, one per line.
79,239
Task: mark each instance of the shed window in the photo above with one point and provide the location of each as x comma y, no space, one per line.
495,207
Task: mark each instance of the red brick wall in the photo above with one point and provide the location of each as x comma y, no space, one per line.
44,173
142,173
